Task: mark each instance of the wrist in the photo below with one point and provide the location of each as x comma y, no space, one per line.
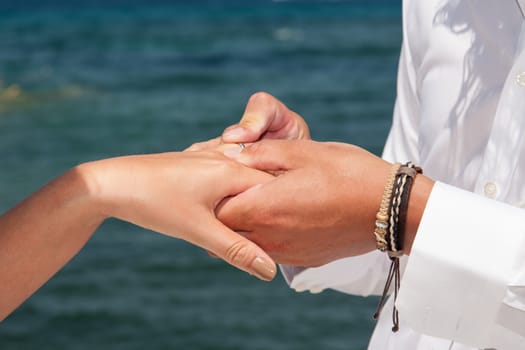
91,189
404,200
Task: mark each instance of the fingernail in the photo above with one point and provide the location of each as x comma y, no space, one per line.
233,134
232,151
263,269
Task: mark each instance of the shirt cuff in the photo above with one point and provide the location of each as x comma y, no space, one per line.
360,275
466,270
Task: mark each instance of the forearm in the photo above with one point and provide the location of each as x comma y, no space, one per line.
41,234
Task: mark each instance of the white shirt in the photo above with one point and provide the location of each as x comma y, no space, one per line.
460,114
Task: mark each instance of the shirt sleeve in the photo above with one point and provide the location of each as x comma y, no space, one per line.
465,278
402,142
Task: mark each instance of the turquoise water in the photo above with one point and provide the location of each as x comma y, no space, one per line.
86,80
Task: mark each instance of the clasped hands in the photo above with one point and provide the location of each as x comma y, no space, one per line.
284,198
319,204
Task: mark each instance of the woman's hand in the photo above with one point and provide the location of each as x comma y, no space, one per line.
176,194
265,117
172,193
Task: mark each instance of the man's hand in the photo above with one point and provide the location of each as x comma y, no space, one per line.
265,117
321,208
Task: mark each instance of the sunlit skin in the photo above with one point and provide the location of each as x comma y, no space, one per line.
322,207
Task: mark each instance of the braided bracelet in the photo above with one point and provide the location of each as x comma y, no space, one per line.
397,193
383,213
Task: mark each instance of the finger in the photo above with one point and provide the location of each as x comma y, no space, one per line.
233,211
256,204
238,179
205,145
232,148
264,113
269,155
235,249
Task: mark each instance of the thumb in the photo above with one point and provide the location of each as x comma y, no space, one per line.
263,113
236,250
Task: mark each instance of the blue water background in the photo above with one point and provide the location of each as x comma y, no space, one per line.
83,80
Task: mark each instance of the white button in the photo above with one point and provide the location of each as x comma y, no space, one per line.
520,79
490,190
